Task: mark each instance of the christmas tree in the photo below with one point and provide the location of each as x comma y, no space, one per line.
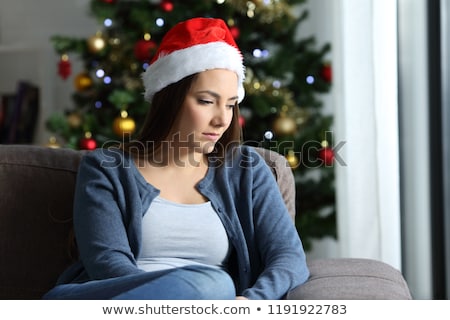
284,79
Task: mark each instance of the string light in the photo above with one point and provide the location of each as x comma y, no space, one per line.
276,84
160,22
310,80
100,73
268,135
107,23
98,104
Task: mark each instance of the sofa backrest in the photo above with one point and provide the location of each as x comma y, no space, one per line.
36,197
36,194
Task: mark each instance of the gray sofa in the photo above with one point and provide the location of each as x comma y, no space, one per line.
36,195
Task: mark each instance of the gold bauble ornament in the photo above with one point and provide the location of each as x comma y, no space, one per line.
123,124
96,43
292,159
74,120
284,125
52,143
82,81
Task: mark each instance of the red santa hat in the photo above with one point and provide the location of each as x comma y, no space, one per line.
193,46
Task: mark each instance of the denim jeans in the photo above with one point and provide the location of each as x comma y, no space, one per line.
187,283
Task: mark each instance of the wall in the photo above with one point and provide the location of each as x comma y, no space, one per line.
26,51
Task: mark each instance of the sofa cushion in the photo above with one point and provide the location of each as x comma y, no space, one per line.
346,279
36,187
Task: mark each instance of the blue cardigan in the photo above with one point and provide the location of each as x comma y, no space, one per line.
112,196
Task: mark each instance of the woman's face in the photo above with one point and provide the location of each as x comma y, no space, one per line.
206,112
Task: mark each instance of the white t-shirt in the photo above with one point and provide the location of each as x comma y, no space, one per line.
176,235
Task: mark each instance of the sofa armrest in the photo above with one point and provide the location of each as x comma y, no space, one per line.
352,279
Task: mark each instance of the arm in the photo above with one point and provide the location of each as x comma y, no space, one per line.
277,240
99,221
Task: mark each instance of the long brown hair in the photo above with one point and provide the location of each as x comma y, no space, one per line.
165,107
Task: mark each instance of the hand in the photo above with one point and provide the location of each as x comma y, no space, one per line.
241,298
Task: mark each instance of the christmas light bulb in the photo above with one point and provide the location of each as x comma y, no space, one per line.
160,22
310,79
100,73
107,23
268,135
257,53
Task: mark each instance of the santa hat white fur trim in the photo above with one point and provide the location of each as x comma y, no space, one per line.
168,69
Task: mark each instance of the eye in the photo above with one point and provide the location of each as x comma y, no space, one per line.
231,106
204,101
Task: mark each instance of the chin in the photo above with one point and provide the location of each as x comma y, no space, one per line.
209,147
208,150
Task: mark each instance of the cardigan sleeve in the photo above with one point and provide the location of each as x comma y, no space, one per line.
100,220
284,178
275,238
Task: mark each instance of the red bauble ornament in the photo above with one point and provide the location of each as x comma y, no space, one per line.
326,73
64,67
144,49
108,1
166,5
326,155
235,32
87,142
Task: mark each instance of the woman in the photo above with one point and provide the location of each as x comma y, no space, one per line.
185,211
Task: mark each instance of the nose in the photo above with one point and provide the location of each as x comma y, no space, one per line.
222,116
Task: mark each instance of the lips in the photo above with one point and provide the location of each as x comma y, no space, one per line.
211,136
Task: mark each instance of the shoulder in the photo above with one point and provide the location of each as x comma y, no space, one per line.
106,157
242,161
113,167
244,157
250,157
102,161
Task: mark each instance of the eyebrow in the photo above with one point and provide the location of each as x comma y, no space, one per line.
216,95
